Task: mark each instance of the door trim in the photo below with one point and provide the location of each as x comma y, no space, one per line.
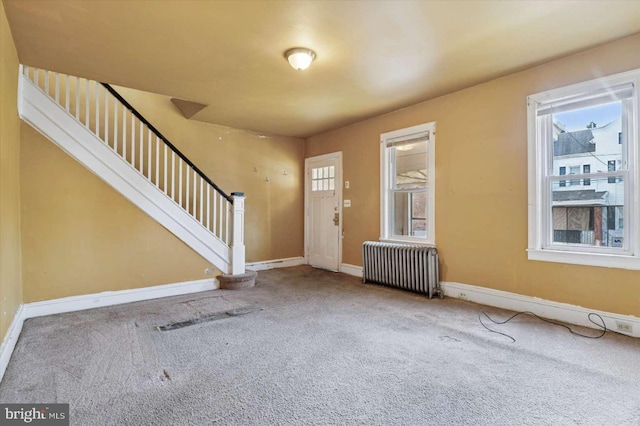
307,184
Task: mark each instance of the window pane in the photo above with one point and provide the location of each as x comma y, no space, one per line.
332,171
401,213
419,227
410,165
611,217
619,213
574,170
419,214
314,173
331,184
588,216
314,185
418,205
587,136
325,185
410,214
586,169
611,167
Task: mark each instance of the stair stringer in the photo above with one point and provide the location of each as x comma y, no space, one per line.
61,128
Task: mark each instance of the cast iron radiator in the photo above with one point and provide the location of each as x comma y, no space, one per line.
409,267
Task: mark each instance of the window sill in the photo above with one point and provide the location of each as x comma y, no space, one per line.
407,241
588,259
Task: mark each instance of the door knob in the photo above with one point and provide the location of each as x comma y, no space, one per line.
336,219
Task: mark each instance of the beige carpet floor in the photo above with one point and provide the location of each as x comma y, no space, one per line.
307,346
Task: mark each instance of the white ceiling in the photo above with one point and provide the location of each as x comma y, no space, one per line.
372,56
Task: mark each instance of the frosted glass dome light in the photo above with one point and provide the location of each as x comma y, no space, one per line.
300,58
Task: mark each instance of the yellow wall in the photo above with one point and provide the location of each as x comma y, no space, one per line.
481,183
10,258
80,236
241,161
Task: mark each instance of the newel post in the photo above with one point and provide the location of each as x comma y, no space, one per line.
237,237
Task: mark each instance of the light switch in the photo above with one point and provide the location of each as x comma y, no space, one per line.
346,184
347,203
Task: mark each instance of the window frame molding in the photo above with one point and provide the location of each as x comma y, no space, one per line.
386,233
537,153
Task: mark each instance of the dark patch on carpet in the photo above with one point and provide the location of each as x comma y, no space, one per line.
207,318
241,311
165,375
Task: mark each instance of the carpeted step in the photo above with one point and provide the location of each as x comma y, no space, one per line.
238,281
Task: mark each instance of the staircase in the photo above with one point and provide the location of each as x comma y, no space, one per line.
96,126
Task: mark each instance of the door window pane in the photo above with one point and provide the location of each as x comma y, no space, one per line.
323,178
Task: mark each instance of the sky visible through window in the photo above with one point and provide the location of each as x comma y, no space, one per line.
579,119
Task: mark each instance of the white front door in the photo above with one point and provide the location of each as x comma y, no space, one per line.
323,215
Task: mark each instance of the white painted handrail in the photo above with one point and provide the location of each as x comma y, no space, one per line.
123,130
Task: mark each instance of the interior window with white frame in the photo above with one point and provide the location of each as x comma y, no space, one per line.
588,131
407,187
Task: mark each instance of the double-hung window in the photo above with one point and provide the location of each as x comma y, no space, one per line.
407,190
590,132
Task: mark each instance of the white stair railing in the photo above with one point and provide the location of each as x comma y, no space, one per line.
100,109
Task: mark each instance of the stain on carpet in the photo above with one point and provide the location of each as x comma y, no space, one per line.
165,375
207,318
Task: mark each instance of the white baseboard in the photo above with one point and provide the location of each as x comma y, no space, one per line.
349,269
565,312
109,298
89,301
10,339
276,263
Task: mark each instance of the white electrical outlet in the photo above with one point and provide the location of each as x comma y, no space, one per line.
208,271
462,295
624,327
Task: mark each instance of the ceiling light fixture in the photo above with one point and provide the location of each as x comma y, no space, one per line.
300,58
